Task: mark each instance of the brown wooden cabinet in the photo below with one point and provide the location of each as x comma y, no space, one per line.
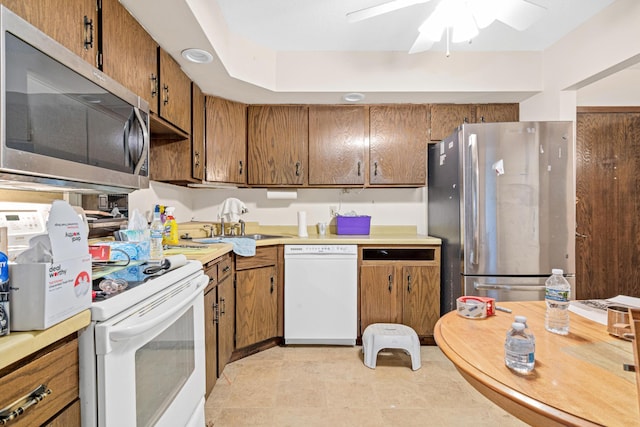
487,113
54,368
445,118
226,311
73,23
226,141
129,53
337,145
396,289
198,127
256,297
397,144
277,145
211,327
175,92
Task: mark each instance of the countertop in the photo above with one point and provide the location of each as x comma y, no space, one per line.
18,345
578,378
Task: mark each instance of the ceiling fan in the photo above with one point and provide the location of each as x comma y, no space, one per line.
460,20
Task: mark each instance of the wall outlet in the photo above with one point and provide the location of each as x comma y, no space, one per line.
333,211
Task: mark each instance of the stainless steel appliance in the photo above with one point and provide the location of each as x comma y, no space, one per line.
320,294
64,124
502,199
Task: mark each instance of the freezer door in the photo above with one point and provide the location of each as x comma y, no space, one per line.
509,288
519,198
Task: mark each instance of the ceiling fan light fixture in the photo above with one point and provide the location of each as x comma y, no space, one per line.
353,97
199,56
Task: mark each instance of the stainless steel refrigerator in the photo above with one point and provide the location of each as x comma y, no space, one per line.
501,196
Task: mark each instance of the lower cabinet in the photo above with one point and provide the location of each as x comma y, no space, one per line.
400,285
256,297
51,378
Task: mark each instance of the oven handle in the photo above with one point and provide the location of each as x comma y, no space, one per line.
128,332
484,286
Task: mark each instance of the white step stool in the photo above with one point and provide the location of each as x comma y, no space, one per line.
390,335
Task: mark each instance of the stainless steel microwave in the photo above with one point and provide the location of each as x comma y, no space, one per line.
65,125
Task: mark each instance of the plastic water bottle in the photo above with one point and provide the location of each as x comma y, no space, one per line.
519,350
523,320
156,233
557,296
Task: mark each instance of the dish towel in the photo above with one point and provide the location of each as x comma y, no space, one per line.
231,209
241,245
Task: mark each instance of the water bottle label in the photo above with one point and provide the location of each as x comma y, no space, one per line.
556,295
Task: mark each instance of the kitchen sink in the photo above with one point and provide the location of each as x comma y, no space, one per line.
259,236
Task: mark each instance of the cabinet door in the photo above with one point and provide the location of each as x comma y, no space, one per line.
397,144
256,305
421,302
175,93
277,145
487,113
337,145
445,118
226,141
72,23
379,295
226,321
129,54
197,132
210,340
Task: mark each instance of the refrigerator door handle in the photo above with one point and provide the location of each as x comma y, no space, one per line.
488,287
475,183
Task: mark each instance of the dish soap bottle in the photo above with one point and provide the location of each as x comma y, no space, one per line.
156,232
170,228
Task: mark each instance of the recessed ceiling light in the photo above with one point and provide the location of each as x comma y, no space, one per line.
353,97
199,56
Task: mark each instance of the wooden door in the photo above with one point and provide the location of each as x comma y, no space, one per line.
421,298
72,23
175,93
278,139
397,144
488,113
256,305
129,53
379,295
226,141
337,145
607,203
226,321
445,118
210,339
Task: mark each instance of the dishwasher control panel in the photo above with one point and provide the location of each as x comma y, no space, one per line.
292,250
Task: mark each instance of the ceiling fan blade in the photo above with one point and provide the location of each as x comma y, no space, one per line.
421,44
370,12
520,14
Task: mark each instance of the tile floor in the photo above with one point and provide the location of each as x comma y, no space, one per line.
330,386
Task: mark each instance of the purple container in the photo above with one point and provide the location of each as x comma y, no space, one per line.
353,224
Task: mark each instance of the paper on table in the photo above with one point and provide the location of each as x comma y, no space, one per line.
595,310
626,300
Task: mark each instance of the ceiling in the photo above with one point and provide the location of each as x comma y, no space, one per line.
250,37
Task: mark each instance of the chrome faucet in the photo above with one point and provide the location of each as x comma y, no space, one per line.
222,226
241,227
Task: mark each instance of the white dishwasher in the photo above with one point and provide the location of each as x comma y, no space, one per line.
320,294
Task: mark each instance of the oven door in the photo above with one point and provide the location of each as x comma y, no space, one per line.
150,360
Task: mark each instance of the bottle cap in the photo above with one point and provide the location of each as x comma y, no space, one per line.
520,319
517,326
556,271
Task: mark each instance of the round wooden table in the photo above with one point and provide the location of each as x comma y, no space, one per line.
578,378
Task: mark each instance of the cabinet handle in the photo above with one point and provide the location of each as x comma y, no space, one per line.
390,282
409,283
465,120
241,168
211,280
297,168
481,119
359,169
223,306
197,157
88,33
154,85
216,313
18,407
165,100
226,268
271,278
375,168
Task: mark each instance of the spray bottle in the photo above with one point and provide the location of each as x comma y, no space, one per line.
170,228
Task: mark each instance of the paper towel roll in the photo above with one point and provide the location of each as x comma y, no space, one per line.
282,195
302,224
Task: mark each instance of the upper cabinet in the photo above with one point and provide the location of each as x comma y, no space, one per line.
398,144
73,23
445,118
226,141
129,54
277,145
197,132
174,91
337,145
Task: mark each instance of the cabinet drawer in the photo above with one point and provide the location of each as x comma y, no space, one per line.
225,267
57,370
265,256
211,270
